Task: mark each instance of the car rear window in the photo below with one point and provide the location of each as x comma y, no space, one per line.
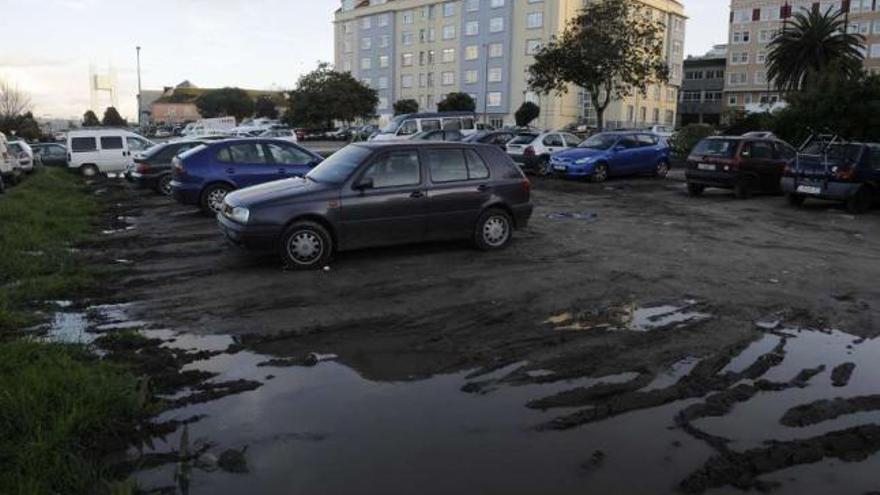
82,144
523,139
724,148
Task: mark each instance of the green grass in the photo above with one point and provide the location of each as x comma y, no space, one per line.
40,221
61,411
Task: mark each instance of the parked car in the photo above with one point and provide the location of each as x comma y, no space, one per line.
532,151
663,131
837,171
743,164
51,154
371,194
9,170
152,169
498,138
365,132
407,125
21,151
279,133
610,154
93,151
204,175
438,136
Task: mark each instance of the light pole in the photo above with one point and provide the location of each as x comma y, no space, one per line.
140,109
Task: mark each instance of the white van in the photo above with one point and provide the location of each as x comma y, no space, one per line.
8,163
209,127
406,126
93,151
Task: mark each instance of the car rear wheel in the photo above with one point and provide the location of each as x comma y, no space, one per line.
88,170
306,246
695,189
163,185
543,167
796,200
662,169
494,230
600,173
213,196
860,202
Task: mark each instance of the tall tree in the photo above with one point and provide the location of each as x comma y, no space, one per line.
90,119
808,45
13,101
326,95
112,118
527,113
226,102
405,106
265,107
457,102
612,49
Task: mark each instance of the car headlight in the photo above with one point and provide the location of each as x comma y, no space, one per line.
583,161
240,214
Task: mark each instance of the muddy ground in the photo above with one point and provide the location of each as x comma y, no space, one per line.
631,340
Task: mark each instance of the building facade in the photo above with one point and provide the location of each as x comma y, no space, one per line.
701,99
426,49
753,23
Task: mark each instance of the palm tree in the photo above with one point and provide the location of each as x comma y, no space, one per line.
809,45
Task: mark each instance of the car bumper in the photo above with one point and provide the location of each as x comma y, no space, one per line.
249,237
185,194
821,189
572,170
522,214
708,178
143,181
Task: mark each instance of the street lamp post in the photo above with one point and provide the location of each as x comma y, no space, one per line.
140,109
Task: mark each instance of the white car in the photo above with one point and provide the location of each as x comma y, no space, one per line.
662,131
279,133
94,151
9,171
24,154
532,150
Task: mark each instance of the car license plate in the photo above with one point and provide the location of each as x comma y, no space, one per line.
561,168
705,166
809,189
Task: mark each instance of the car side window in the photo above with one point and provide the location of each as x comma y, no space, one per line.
430,125
758,150
111,142
83,144
785,152
288,155
408,128
135,144
628,142
571,140
477,168
452,124
242,153
454,136
646,140
553,140
447,165
395,169
875,158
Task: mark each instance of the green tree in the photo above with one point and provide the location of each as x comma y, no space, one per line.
612,48
806,47
326,95
405,106
265,107
112,118
457,102
226,102
527,113
90,119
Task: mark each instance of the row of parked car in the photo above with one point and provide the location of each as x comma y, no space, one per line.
17,159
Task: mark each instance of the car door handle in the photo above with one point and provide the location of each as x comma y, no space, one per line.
484,187
417,195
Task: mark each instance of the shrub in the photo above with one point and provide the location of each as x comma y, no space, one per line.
687,137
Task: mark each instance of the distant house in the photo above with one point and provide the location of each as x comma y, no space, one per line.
702,88
177,104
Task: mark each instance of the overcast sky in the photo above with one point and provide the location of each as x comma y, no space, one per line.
258,44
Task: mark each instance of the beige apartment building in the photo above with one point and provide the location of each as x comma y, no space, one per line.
426,49
753,23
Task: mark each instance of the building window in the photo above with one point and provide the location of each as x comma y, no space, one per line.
473,5
366,43
471,77
497,3
534,20
447,78
495,74
383,103
406,81
472,28
366,22
732,100
383,83
496,24
496,50
741,36
471,52
383,20
407,17
448,9
448,55
493,99
449,32
406,59
532,46
383,61
366,63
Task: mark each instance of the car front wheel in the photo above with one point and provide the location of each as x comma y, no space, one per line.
213,196
600,174
163,185
306,246
494,230
662,169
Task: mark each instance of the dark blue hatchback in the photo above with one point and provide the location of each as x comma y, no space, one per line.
204,175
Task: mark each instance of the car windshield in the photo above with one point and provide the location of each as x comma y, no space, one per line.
836,152
340,165
599,142
724,148
523,139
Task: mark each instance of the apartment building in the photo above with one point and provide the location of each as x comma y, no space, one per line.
702,88
426,49
753,23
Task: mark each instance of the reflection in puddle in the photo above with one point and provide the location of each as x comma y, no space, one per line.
630,317
672,375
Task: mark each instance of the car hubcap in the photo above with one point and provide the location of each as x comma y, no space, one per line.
662,169
89,171
305,247
165,187
215,199
495,231
600,173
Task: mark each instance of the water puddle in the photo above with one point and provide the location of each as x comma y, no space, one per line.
631,317
671,376
572,215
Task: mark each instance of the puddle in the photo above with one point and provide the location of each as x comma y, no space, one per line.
69,328
631,317
671,376
569,215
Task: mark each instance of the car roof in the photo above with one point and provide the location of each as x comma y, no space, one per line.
384,145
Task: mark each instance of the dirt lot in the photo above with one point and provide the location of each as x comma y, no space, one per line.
628,325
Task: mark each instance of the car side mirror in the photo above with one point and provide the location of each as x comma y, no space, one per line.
364,184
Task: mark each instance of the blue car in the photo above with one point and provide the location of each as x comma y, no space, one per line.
610,154
204,175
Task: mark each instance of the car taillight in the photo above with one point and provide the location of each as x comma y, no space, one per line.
527,187
529,151
142,168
